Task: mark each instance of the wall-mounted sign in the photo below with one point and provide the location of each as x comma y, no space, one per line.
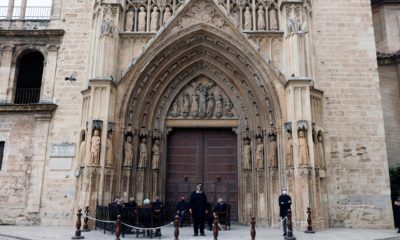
63,150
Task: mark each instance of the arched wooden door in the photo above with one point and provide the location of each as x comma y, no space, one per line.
205,155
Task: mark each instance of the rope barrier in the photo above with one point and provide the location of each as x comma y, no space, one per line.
134,227
279,224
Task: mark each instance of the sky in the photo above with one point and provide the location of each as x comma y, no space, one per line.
30,3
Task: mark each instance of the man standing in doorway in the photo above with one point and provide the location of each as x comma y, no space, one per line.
284,204
198,209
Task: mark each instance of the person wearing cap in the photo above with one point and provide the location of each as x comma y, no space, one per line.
198,209
285,203
397,212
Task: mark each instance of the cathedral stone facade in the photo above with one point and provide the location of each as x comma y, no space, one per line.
145,98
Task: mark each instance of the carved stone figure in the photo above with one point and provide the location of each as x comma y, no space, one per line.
154,19
142,20
289,150
210,105
129,21
156,155
228,108
272,152
321,155
194,109
128,152
185,105
109,151
143,154
303,149
82,150
261,18
175,109
294,25
167,14
273,19
107,27
95,148
247,19
202,93
246,155
218,106
260,154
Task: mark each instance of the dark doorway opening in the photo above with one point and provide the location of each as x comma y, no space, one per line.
203,155
29,82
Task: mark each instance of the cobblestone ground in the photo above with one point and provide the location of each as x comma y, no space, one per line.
237,233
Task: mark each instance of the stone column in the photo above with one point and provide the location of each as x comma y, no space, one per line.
49,73
302,175
5,71
23,9
38,162
10,9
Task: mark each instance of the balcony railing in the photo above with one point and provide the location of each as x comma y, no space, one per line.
31,13
27,95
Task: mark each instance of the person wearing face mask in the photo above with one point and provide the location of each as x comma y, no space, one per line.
198,209
284,205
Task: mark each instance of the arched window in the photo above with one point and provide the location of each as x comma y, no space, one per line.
29,78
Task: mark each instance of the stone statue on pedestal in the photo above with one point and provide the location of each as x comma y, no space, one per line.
210,105
129,21
246,155
82,150
109,151
261,18
272,152
154,19
128,152
260,154
167,14
143,154
321,155
156,155
303,149
142,20
95,148
289,150
247,19
273,19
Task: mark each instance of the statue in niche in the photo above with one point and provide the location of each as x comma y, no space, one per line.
270,118
272,152
303,149
143,154
247,19
95,148
82,150
156,155
128,152
260,154
228,106
175,109
289,150
218,106
321,155
109,151
210,105
246,155
167,14
142,20
129,20
273,19
294,25
154,19
107,27
195,105
185,105
261,18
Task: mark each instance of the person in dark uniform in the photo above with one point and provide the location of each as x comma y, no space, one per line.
145,215
198,209
131,211
220,207
397,212
158,211
181,210
285,203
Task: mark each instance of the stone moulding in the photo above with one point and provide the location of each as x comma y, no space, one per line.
41,107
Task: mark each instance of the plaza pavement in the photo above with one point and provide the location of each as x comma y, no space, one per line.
238,232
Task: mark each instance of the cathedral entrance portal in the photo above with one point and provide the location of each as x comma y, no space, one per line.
203,155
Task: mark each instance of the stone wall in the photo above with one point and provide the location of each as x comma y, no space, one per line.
58,196
357,167
389,83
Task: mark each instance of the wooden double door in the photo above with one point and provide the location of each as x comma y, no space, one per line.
203,155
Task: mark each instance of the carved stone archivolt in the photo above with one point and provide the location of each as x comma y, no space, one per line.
202,99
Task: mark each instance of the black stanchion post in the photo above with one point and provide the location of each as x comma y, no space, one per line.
176,225
118,228
78,226
215,230
309,221
253,228
290,235
85,221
